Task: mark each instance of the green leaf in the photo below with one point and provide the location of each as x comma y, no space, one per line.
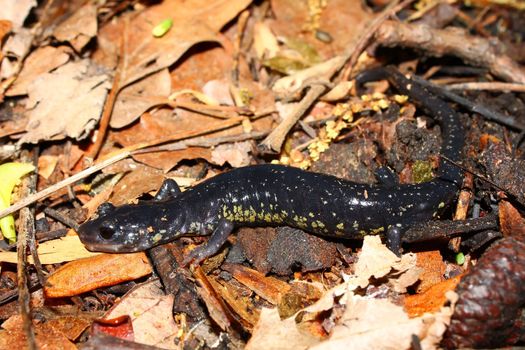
162,28
10,175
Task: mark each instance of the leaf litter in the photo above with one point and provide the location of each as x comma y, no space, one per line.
206,86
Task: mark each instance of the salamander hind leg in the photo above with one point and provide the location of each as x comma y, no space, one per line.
214,244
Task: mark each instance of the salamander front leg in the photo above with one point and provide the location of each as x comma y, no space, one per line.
216,241
169,189
393,239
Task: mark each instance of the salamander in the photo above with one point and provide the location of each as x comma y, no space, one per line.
263,195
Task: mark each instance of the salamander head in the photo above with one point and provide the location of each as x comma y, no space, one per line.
125,229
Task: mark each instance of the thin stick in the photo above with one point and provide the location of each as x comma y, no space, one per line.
66,182
488,86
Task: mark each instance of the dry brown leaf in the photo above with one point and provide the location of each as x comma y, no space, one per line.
236,154
16,11
55,251
103,270
65,103
433,269
137,98
269,288
40,61
150,312
79,28
71,326
241,304
432,299
13,336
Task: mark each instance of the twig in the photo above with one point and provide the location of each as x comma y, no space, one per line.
370,31
26,229
438,42
110,101
66,182
488,86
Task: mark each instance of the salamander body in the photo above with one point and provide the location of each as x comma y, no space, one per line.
265,195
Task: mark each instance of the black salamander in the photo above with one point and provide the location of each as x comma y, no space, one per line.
264,195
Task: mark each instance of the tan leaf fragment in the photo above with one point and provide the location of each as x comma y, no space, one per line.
236,154
137,98
16,11
379,324
55,251
103,270
150,312
273,333
79,28
65,103
40,61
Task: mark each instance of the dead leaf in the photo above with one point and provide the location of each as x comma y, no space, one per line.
433,269
271,332
47,337
150,312
16,48
269,288
432,299
264,41
236,154
103,270
65,103
137,98
5,28
16,11
218,91
40,61
46,165
70,326
79,28
55,251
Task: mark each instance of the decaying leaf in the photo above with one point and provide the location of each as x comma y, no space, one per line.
66,102
150,312
79,28
16,11
137,98
42,60
236,154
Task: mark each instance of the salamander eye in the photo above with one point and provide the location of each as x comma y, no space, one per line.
106,232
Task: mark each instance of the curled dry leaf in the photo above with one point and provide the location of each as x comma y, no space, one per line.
150,312
65,103
79,28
